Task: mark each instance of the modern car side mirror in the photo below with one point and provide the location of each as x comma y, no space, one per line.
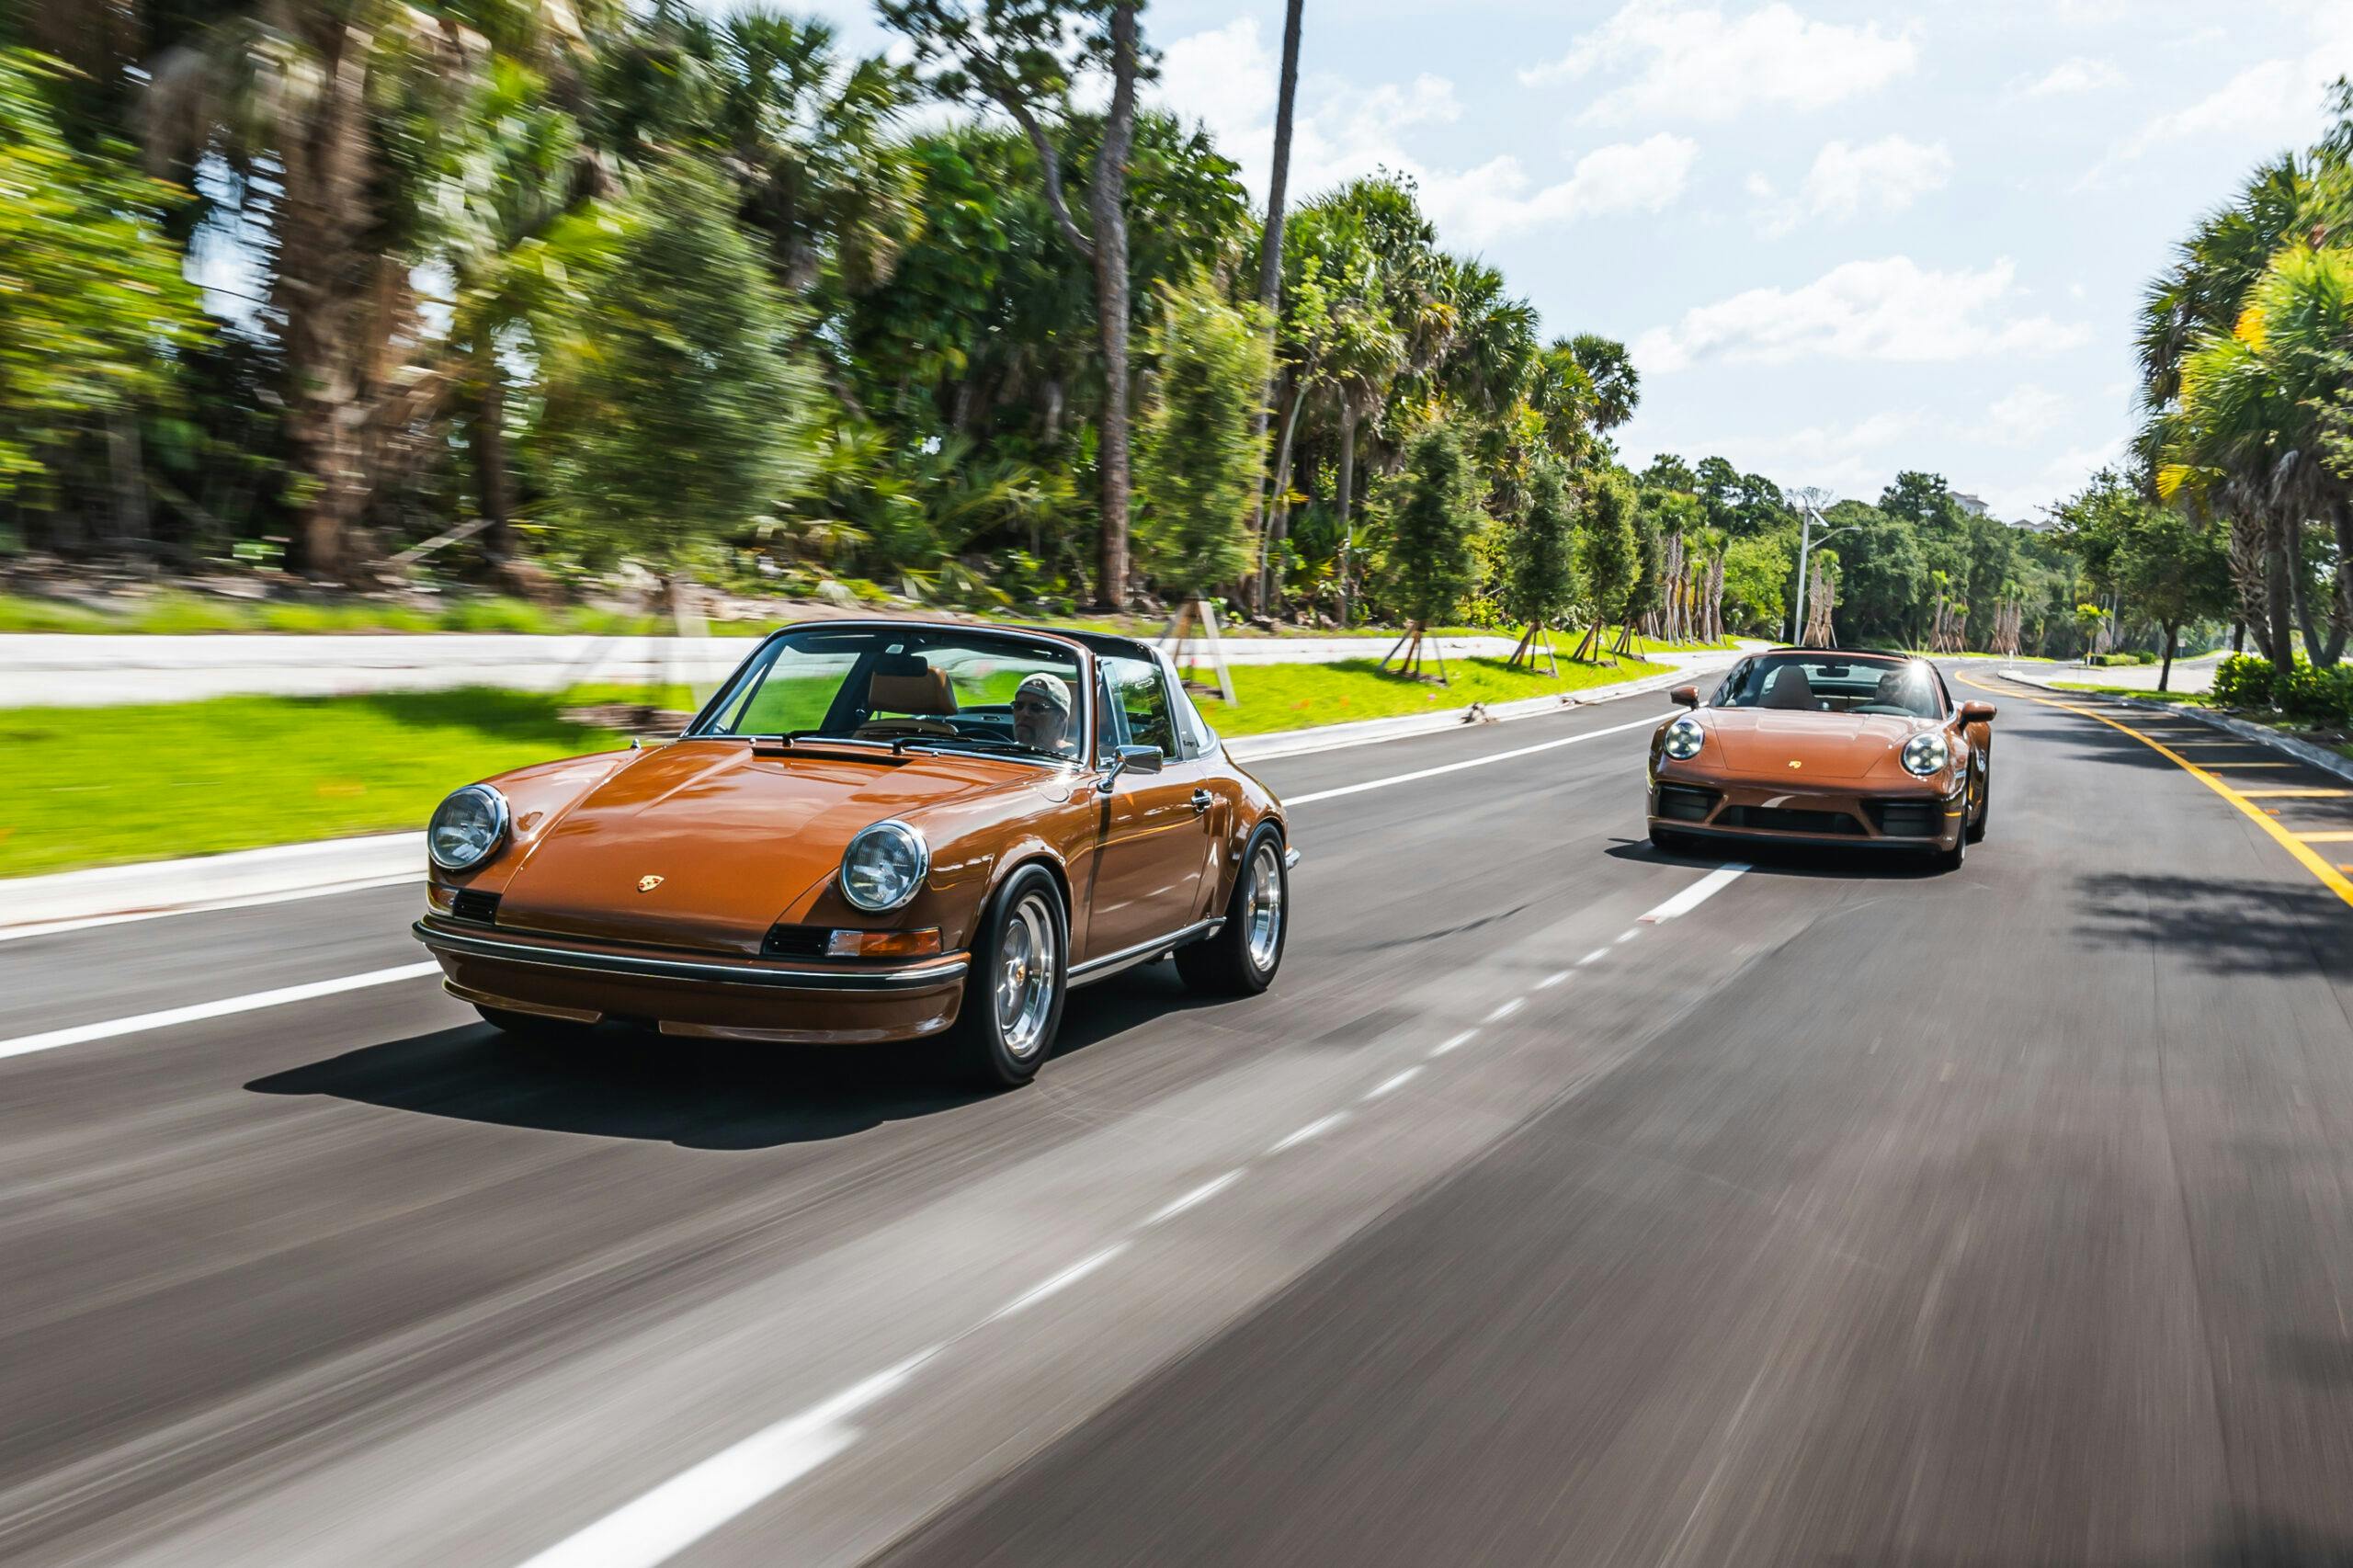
1684,697
1133,759
1977,712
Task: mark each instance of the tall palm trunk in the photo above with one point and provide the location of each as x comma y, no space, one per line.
1346,497
496,484
1270,270
1270,540
1107,203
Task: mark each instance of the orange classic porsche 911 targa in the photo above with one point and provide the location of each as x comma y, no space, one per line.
1826,746
875,830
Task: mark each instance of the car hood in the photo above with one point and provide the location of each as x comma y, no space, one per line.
1827,748
734,838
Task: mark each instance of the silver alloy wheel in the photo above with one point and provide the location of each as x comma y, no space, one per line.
1262,906
1024,978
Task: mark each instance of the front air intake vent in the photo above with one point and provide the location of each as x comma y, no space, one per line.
1907,819
471,903
796,942
1681,803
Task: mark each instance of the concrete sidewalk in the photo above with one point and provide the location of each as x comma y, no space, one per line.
62,901
66,671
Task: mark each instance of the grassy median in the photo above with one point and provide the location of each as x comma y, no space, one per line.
110,786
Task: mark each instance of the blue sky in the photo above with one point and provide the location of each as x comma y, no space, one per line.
1842,239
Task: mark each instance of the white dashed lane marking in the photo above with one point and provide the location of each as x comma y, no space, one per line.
1388,1085
1463,1038
81,1034
1358,789
1695,895
1551,980
1060,1282
1199,1195
1505,1010
1315,1129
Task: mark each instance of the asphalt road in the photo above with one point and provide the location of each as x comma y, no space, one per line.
1836,1212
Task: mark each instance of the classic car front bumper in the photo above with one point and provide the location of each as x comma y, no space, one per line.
714,997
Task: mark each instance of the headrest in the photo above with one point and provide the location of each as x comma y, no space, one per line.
1790,688
920,691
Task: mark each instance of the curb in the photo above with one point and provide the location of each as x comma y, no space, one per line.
65,901
2311,755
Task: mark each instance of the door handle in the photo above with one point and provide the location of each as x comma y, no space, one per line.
1203,800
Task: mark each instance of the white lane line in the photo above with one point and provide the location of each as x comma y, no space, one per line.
1463,1038
660,1524
1199,1195
1552,979
1624,937
1315,1129
1060,1282
1594,957
1358,789
210,906
171,1018
1389,1086
1695,895
1504,1010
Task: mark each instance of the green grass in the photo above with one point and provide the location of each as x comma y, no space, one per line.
1296,697
114,786
104,786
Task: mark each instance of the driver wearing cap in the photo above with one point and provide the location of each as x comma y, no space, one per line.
1042,713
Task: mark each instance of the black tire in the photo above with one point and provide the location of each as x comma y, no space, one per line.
1666,841
530,1029
1984,805
986,1045
1242,959
1951,859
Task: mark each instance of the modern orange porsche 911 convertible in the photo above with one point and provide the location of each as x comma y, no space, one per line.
875,830
1826,746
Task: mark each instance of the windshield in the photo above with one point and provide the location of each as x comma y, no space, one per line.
934,687
1824,683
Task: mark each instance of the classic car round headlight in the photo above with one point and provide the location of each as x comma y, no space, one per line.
884,867
1926,754
467,828
1684,738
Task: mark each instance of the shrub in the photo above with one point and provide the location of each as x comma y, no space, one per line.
2242,681
2310,696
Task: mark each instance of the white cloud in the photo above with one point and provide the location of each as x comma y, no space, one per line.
1495,199
1855,459
2276,101
1225,79
1885,176
1890,310
1696,63
2080,75
2026,416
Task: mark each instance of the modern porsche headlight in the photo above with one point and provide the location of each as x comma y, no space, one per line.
884,867
1684,739
1926,754
467,828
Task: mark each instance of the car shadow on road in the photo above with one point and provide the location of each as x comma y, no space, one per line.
1763,856
2221,926
711,1094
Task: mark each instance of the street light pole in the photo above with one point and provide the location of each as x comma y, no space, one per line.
1805,549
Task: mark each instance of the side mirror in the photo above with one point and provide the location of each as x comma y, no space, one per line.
1977,712
1131,759
1684,697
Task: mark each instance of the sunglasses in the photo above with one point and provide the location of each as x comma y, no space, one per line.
1035,708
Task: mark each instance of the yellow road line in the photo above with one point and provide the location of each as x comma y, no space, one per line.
2326,838
2252,765
2330,876
2295,794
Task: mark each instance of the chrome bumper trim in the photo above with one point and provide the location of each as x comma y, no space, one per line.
727,972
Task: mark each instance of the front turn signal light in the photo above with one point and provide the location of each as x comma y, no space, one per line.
921,943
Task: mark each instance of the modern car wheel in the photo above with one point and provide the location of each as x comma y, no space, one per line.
1241,960
1984,803
1951,859
1020,973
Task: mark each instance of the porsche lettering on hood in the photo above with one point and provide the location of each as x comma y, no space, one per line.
646,833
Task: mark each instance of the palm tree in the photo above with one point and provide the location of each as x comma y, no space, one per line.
1270,262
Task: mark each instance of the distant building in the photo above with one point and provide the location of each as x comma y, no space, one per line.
1972,505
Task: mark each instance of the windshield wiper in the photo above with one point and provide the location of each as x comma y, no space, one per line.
987,743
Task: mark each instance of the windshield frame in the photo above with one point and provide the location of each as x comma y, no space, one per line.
1721,697
756,665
